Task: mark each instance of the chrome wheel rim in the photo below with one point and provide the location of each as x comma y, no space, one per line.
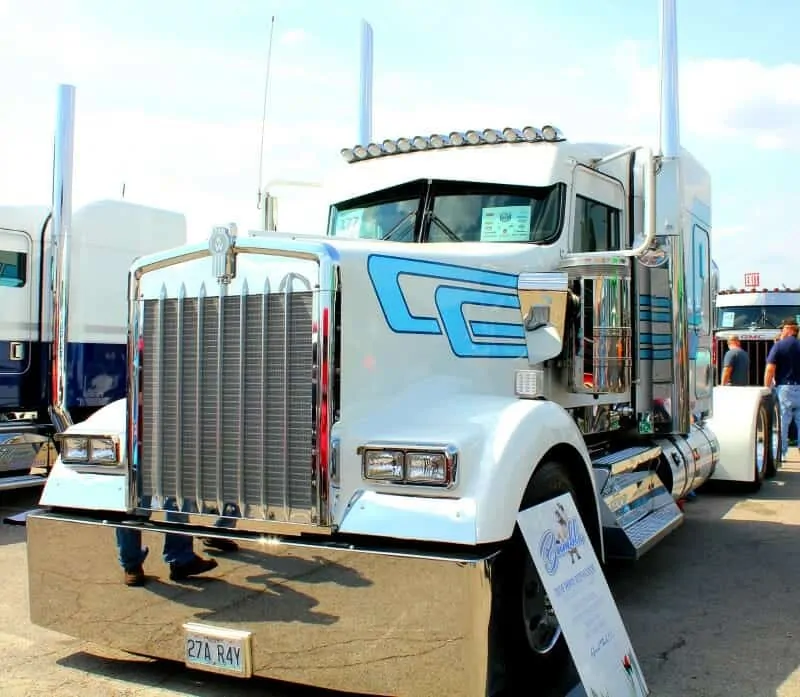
541,624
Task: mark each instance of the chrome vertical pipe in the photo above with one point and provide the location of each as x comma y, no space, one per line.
61,232
365,86
670,212
669,124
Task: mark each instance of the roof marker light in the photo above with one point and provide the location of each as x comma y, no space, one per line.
490,135
473,137
348,154
531,134
512,135
550,133
374,149
360,152
404,145
420,143
457,138
389,147
437,141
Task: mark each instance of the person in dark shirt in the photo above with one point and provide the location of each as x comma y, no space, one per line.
736,364
783,373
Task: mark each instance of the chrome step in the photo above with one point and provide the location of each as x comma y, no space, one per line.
22,481
637,511
627,460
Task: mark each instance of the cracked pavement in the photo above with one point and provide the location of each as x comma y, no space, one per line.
712,611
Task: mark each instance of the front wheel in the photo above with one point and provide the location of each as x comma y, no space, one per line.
531,645
773,439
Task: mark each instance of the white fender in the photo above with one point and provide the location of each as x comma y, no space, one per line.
734,423
500,442
67,488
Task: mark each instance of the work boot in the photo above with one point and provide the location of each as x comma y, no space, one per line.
195,567
135,575
219,544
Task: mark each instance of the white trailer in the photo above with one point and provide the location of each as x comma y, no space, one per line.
493,318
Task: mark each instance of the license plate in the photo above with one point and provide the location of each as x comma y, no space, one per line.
218,650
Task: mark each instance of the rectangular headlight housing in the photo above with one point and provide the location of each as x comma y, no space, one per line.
420,465
89,450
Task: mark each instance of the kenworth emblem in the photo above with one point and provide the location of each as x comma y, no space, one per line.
223,260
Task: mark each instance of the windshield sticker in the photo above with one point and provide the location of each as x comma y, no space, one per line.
348,223
506,224
728,319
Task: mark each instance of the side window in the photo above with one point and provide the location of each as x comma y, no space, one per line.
700,291
13,269
596,226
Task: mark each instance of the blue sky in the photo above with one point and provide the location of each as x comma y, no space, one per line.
169,96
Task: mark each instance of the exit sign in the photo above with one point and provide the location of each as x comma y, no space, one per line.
752,280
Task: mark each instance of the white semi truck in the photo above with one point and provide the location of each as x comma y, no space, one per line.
494,318
63,331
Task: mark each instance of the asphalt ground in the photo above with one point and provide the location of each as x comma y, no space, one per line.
713,611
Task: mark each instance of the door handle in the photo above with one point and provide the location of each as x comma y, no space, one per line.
16,351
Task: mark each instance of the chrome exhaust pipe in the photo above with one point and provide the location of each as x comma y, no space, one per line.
62,232
671,214
365,86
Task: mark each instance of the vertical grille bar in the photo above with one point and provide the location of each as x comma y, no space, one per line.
198,387
262,432
179,399
241,425
218,416
287,296
158,354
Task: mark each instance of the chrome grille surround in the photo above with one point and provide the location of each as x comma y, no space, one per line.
277,328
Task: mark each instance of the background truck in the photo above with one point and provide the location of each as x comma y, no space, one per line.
63,330
493,319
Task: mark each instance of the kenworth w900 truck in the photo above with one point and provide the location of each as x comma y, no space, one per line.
493,318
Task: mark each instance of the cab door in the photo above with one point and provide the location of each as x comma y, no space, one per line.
17,323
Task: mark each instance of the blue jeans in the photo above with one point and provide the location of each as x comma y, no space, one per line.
789,400
178,549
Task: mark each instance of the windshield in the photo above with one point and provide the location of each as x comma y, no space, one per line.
756,317
453,212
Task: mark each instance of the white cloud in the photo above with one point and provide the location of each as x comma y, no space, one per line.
293,37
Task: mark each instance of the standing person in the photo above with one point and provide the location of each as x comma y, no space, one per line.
783,372
736,364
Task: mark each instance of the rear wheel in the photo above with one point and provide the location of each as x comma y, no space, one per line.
773,437
531,645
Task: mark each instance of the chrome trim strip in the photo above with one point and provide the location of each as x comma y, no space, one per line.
287,299
545,280
179,399
263,391
253,517
158,398
241,430
220,386
201,296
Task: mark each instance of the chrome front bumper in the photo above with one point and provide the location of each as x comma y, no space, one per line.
353,619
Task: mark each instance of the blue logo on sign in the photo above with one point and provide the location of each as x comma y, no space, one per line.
566,539
467,338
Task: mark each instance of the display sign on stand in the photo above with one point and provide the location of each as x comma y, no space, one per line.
579,594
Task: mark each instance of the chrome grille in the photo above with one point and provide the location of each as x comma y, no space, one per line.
227,418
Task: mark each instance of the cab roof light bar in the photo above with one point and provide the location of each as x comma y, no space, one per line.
488,136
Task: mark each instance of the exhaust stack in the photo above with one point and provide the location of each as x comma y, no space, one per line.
365,86
671,214
62,232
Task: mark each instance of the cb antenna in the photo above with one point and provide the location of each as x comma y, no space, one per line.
264,114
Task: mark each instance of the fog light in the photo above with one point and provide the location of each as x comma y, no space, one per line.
427,468
386,465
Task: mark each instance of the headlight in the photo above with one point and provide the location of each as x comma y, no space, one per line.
420,465
89,450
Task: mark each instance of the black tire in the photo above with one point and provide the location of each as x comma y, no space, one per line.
774,443
518,594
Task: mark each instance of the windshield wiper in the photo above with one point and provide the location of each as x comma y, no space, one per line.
446,230
400,222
